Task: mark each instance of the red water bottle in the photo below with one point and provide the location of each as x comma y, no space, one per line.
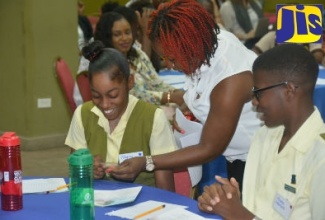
10,170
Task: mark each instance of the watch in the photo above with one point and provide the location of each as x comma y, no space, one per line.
149,164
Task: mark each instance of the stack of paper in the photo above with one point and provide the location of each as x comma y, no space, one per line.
191,137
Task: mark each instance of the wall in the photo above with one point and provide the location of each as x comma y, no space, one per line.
92,7
34,33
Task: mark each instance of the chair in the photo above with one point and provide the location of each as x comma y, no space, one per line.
84,86
66,81
215,167
183,183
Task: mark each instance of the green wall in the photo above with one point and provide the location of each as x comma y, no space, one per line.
92,7
34,33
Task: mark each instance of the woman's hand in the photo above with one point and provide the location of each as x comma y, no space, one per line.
144,18
129,169
99,170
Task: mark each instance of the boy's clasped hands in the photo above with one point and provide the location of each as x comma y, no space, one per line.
223,198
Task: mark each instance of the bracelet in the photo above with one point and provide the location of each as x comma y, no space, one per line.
168,98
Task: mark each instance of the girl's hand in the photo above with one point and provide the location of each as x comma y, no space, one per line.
99,170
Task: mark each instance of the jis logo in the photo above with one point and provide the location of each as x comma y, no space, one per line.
299,23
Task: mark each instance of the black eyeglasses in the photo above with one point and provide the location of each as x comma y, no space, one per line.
257,92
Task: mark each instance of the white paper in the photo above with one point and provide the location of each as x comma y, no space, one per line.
191,136
43,185
320,81
132,211
177,214
113,197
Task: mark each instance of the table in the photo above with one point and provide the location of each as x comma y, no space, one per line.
173,78
319,93
56,206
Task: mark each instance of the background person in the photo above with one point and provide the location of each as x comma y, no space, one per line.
85,31
213,9
286,161
241,18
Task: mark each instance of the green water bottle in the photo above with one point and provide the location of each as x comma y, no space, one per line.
81,185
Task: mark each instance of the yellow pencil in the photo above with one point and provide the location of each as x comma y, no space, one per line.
149,212
58,188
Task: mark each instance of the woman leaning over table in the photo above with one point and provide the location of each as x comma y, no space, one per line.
116,32
217,90
115,125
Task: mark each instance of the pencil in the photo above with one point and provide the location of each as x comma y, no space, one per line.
149,212
58,188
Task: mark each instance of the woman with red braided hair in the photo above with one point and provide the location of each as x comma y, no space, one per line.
217,90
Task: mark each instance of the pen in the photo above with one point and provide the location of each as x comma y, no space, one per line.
58,188
149,212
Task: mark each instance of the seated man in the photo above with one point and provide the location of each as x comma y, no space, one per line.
286,161
115,125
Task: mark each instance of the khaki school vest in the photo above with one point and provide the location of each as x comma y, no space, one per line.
136,135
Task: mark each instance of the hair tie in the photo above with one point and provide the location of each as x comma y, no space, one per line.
93,55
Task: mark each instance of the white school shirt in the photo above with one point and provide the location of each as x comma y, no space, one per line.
267,171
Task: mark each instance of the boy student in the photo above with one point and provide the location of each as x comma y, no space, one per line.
116,125
286,161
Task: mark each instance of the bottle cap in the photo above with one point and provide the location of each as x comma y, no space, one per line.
9,139
81,157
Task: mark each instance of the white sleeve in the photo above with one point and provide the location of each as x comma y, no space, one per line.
76,136
162,138
317,193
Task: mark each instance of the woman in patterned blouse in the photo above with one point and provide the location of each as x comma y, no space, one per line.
116,32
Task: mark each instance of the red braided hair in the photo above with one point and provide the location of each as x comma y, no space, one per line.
186,32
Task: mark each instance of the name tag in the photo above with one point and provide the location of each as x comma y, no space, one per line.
123,157
282,206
